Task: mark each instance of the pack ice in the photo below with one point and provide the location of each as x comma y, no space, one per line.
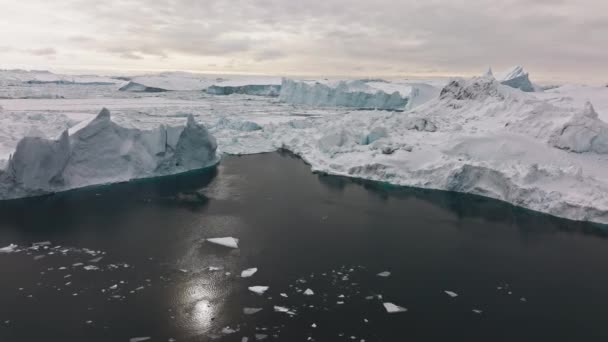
103,152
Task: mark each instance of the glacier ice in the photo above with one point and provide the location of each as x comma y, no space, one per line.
104,152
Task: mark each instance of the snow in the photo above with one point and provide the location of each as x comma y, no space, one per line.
103,152
258,289
392,308
545,151
229,242
248,272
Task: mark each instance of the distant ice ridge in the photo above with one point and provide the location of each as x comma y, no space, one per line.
354,94
250,89
103,152
140,88
13,77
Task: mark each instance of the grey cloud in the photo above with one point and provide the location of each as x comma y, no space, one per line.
48,51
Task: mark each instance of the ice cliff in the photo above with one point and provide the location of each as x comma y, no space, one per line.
104,152
354,94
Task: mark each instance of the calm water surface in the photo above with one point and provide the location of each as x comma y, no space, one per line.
535,278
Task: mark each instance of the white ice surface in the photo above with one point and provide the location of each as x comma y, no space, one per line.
392,308
229,242
542,151
248,272
258,289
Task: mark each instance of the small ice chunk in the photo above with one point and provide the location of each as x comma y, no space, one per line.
258,289
139,339
384,274
308,292
77,264
451,294
229,242
91,268
114,287
8,249
245,339
38,257
284,295
89,322
283,310
392,308
96,260
228,331
477,311
314,325
41,243
251,311
339,302
214,268
260,337
523,299
248,272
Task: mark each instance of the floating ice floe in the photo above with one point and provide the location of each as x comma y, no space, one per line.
251,311
8,249
283,309
229,242
451,294
308,292
477,311
392,308
260,337
91,268
248,272
284,295
139,339
214,268
384,274
258,289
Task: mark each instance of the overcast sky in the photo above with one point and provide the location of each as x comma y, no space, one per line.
552,39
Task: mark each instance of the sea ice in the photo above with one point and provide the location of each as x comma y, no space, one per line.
308,292
451,294
392,308
225,241
258,289
8,249
384,274
248,272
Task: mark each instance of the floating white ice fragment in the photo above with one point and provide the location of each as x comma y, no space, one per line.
91,268
308,292
8,249
258,289
314,325
283,310
451,294
228,331
245,339
248,272
384,274
392,308
251,311
214,268
284,295
41,244
260,337
229,242
477,311
96,260
139,339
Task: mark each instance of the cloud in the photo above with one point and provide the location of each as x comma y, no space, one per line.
333,36
48,51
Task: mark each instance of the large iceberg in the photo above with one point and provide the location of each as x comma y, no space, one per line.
249,89
103,152
516,77
354,94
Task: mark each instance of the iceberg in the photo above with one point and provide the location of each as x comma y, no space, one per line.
272,90
258,289
354,94
248,272
517,78
104,152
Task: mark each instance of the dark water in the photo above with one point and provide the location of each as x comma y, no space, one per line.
332,233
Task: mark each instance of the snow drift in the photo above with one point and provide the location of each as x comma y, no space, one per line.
104,152
354,94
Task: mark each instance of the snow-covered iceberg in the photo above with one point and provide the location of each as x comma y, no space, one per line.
516,77
103,152
354,94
